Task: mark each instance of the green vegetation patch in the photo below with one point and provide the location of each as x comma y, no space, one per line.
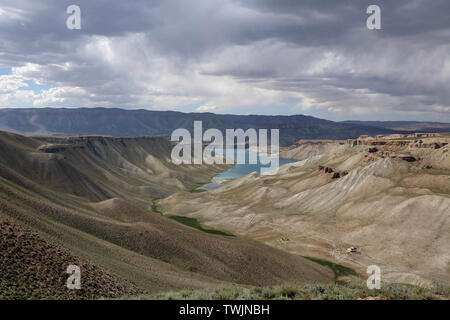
338,270
155,206
197,190
191,222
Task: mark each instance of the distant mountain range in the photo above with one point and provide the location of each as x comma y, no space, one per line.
119,122
405,125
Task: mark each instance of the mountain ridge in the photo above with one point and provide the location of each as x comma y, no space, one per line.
424,126
121,122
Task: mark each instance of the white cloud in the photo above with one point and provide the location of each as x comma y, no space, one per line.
206,108
230,55
9,83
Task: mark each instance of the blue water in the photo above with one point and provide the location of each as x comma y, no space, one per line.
240,170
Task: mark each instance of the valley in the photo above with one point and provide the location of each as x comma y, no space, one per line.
94,198
120,206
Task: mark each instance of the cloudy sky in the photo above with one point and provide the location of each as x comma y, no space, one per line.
313,57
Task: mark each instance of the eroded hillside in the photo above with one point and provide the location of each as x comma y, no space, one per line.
388,197
94,197
100,168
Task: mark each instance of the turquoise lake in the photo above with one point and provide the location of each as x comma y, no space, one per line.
240,170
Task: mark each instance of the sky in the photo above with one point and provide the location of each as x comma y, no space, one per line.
313,57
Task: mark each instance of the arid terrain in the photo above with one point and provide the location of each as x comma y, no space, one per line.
387,197
91,200
119,208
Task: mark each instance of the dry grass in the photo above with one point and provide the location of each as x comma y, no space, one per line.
31,268
352,290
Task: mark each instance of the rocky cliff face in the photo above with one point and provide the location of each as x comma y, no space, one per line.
429,149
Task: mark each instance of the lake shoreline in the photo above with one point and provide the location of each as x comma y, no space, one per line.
238,171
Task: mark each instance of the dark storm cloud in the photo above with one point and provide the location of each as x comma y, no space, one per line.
224,53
